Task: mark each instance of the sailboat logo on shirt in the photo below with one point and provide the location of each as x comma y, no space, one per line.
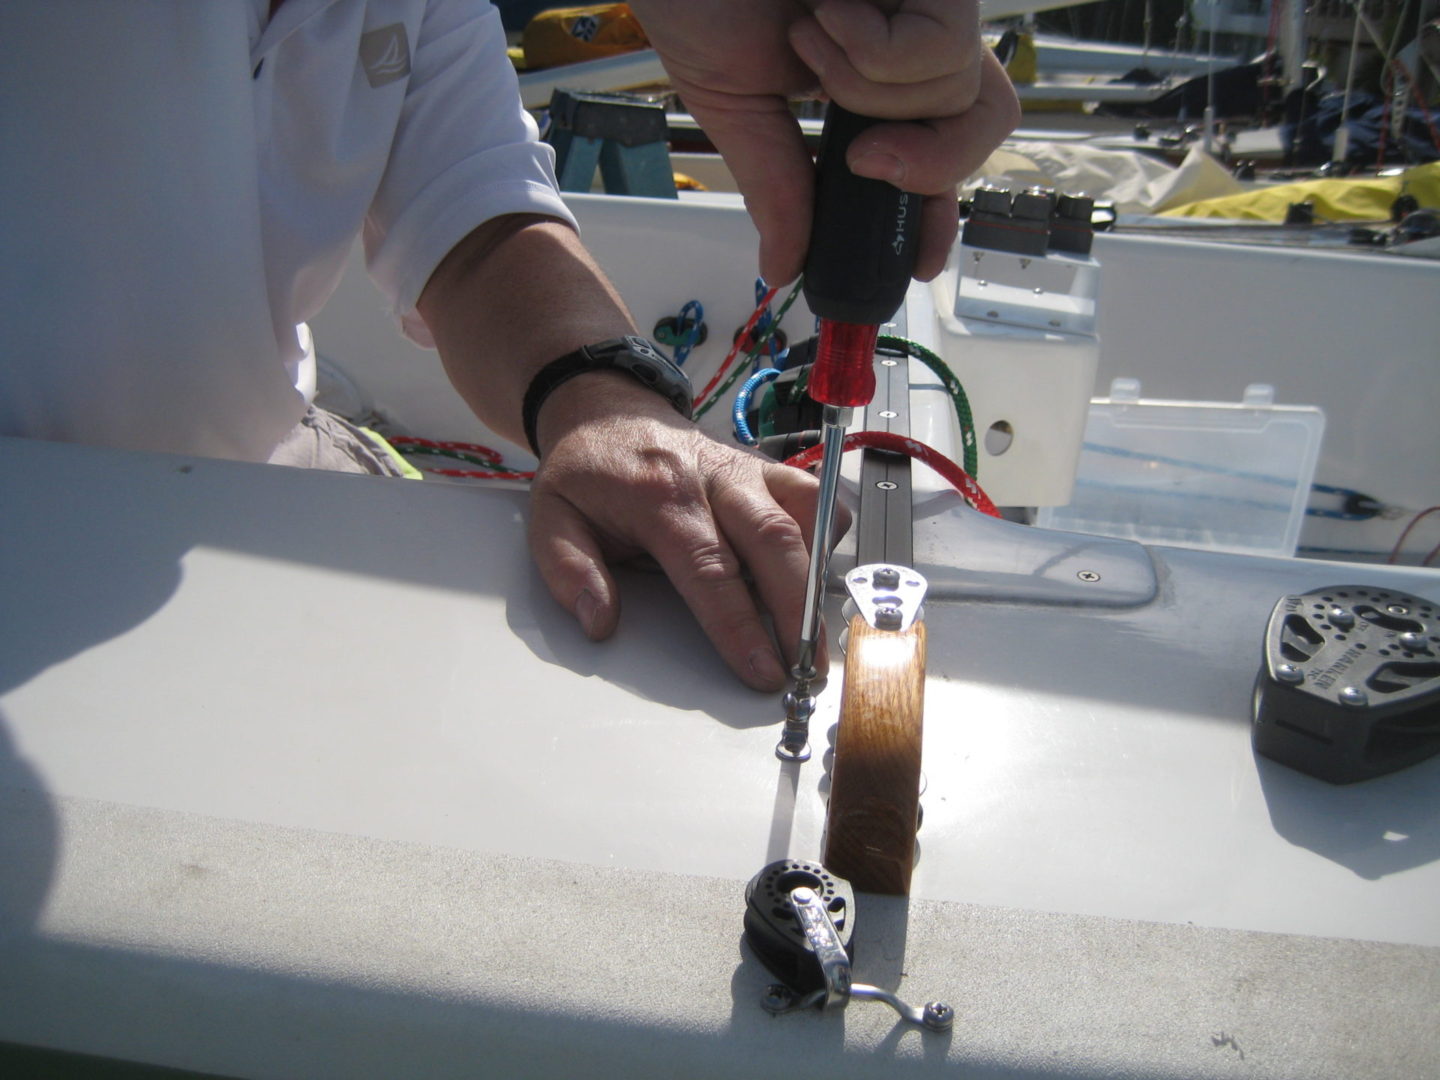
385,54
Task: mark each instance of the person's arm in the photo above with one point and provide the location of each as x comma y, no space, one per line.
737,63
621,473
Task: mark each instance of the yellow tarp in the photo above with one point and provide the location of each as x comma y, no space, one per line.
1024,65
1349,199
570,35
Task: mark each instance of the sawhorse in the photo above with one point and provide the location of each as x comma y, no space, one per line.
624,134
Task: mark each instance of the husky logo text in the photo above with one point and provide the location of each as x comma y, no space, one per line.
585,27
902,211
385,54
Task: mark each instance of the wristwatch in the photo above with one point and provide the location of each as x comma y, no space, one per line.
633,355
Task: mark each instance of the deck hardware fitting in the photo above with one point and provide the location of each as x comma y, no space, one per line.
794,744
1348,686
788,924
888,597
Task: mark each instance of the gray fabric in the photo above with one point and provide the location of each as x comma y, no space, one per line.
323,440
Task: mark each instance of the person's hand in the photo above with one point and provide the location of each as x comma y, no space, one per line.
614,485
736,64
621,474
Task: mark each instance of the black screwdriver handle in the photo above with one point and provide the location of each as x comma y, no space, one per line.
864,236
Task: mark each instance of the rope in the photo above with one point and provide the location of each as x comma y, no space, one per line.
491,462
701,410
742,403
963,416
689,337
1405,535
700,400
958,478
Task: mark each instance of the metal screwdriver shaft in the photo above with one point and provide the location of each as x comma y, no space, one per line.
861,257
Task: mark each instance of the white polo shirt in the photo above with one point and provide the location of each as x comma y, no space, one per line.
181,184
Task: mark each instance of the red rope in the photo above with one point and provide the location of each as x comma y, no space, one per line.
1405,535
461,447
479,474
962,481
740,339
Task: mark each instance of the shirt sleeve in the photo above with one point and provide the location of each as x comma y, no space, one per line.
464,151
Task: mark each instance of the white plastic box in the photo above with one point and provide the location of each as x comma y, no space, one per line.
1215,475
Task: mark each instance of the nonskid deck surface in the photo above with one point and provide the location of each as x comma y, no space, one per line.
428,819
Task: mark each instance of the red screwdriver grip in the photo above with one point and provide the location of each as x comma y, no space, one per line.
844,371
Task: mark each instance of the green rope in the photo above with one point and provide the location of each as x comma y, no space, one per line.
410,450
754,351
952,386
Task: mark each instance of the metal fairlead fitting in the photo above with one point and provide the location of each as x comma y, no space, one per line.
799,920
890,598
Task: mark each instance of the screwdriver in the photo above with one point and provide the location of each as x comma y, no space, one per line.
863,241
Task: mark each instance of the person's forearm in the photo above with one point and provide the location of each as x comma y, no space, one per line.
517,293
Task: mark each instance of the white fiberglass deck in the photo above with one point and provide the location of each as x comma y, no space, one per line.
305,775
241,701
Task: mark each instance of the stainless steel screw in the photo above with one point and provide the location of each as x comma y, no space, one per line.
1353,695
938,1016
1289,673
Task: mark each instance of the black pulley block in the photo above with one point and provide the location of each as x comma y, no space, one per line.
773,931
1350,684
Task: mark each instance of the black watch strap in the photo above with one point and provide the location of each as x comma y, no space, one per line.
633,355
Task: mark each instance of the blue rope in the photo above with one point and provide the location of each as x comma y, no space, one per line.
688,339
742,403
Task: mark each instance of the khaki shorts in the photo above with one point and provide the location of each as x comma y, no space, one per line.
323,440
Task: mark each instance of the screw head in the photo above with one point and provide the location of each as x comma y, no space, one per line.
778,998
1088,576
1289,673
887,618
938,1016
1353,695
887,577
